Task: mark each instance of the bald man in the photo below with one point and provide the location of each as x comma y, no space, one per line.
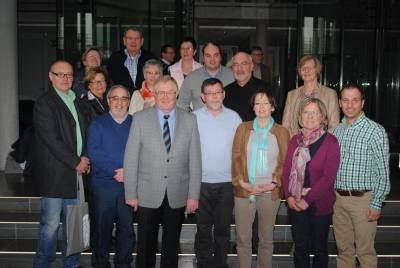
60,121
238,93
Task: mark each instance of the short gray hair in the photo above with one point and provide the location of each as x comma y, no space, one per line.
152,62
114,87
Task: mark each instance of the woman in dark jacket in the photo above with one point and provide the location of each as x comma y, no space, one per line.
309,174
96,81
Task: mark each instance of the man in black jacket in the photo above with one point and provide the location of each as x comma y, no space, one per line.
60,121
125,67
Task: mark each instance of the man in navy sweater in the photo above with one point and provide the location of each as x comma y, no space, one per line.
107,137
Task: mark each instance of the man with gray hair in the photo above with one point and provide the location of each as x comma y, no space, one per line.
162,168
107,137
238,93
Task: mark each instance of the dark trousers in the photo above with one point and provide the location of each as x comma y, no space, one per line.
215,208
171,220
109,206
310,232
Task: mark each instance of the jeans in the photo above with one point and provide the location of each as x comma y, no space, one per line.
310,232
109,207
53,209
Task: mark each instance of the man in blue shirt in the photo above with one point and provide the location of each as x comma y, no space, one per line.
107,138
217,127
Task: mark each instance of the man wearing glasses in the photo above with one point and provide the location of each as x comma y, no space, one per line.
60,122
107,137
238,93
217,127
162,169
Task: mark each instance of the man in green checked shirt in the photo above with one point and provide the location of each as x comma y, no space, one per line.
362,182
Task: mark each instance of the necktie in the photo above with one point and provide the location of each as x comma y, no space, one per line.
166,134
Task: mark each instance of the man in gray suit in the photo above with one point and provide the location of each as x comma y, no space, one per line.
162,168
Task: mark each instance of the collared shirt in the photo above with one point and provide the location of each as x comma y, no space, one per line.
116,120
68,99
216,139
131,63
207,74
364,158
171,121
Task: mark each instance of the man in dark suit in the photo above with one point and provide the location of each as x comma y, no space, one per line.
60,121
167,57
162,173
125,67
260,70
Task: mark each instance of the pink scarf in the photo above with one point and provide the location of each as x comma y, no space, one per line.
300,159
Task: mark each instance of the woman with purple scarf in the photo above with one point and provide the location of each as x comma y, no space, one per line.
309,174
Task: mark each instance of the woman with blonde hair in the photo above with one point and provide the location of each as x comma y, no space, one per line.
309,175
309,69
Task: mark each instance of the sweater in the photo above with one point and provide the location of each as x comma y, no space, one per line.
106,148
322,169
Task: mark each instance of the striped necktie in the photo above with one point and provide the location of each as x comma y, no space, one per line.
166,134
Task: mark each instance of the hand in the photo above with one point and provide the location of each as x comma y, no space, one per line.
83,166
302,204
267,187
248,187
373,215
292,203
119,175
133,203
191,205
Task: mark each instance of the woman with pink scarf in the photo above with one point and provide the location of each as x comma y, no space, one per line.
309,174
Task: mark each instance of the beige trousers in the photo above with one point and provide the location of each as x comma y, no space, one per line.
354,234
244,217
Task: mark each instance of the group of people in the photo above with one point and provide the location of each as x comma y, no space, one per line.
203,139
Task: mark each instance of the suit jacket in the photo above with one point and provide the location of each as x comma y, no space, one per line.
119,74
150,172
55,154
265,73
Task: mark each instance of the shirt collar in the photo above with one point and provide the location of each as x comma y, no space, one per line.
205,110
171,114
360,118
68,96
207,74
133,57
126,115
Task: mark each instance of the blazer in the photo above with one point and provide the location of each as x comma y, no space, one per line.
119,74
290,114
55,154
322,170
239,157
175,71
150,172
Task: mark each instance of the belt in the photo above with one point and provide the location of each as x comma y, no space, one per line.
357,193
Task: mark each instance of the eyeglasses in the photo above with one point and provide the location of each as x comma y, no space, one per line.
213,93
153,73
97,83
116,99
311,113
306,68
186,48
262,103
166,93
63,75
242,64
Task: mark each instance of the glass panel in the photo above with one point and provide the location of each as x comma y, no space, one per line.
390,83
239,26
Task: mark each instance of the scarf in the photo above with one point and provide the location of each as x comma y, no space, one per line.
258,147
301,157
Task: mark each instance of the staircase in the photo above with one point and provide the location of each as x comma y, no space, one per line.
20,215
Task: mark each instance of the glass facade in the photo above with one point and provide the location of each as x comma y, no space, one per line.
356,41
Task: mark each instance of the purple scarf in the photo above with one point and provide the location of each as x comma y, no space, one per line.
301,157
